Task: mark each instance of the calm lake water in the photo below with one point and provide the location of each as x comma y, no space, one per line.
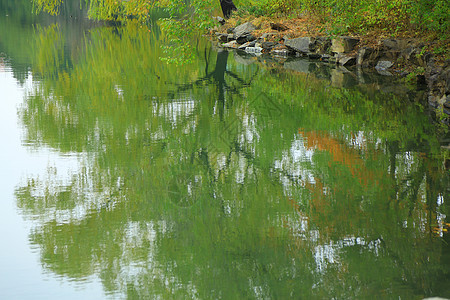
232,177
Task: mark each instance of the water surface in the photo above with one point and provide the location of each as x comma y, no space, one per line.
125,177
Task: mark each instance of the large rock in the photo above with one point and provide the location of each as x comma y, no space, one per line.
345,60
383,65
343,44
301,44
367,57
243,30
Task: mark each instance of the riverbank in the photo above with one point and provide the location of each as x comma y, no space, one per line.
412,58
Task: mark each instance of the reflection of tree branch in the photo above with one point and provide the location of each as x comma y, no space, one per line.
232,74
207,60
233,90
245,83
188,86
218,76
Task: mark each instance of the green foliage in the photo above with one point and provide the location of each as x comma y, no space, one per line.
48,58
431,15
118,10
268,7
392,15
186,21
105,9
363,15
48,6
343,15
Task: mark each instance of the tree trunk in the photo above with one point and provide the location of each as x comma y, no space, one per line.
227,8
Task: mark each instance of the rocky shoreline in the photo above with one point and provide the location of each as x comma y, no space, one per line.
388,57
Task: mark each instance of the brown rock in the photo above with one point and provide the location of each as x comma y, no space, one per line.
278,26
343,44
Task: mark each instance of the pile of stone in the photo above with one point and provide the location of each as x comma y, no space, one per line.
346,51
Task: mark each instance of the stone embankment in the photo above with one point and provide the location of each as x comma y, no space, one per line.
388,57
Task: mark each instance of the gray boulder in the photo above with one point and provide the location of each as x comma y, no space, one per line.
383,65
243,30
301,44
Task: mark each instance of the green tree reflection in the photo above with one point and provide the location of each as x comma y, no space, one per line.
228,181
